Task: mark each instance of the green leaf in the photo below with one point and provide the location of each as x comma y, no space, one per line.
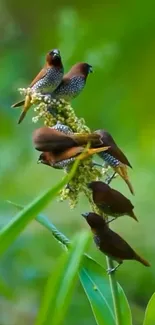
94,277
95,282
61,283
9,233
43,220
149,318
96,286
125,308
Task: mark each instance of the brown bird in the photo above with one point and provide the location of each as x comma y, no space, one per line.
46,81
59,146
114,157
110,201
109,242
73,82
47,158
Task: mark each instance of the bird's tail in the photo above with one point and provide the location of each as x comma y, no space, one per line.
122,171
27,105
83,139
132,215
129,186
142,260
21,117
18,104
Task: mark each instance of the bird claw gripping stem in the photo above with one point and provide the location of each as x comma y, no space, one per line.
114,269
110,178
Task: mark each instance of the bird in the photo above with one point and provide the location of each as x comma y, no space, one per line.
109,242
47,158
114,157
73,82
60,146
45,82
111,201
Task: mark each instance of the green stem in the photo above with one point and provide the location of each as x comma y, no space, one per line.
113,283
61,238
114,291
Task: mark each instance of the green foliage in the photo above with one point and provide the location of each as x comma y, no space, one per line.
61,283
5,290
95,282
150,312
14,228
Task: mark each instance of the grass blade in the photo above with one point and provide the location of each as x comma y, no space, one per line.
9,233
95,282
61,284
149,318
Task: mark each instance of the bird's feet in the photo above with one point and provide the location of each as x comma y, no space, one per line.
110,178
110,271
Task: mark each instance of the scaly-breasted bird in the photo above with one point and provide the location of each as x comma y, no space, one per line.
109,242
114,157
47,158
60,146
73,82
46,81
110,201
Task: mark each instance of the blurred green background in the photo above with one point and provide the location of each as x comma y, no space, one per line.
117,38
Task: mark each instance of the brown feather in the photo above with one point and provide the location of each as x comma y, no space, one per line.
109,242
114,150
39,76
84,138
78,69
47,139
111,201
18,104
122,171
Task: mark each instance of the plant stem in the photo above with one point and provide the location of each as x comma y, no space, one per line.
61,238
114,291
113,282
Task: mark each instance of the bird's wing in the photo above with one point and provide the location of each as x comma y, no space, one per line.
39,76
65,81
114,150
84,138
46,139
118,154
117,246
120,204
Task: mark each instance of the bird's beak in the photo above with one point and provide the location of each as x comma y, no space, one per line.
56,53
90,69
85,215
39,161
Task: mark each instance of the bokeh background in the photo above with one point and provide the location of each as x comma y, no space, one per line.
117,38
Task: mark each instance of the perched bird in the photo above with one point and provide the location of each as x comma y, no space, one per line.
110,201
114,157
46,81
73,82
109,242
59,146
47,158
